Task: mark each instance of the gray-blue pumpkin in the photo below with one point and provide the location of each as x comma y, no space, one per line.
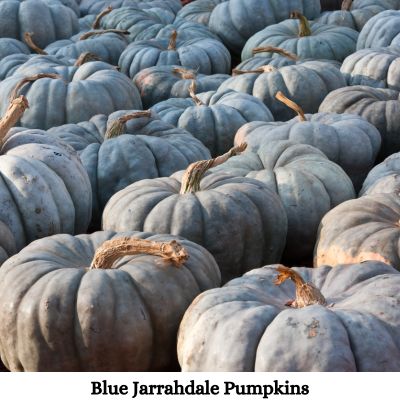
10,46
76,95
48,22
199,11
381,31
308,184
381,107
307,84
373,67
213,117
72,4
8,245
308,40
207,56
160,83
235,21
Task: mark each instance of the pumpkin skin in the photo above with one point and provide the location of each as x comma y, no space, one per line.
139,304
56,20
381,31
93,88
199,11
12,46
235,21
244,326
383,178
163,82
347,140
307,84
216,121
207,56
8,246
238,220
373,67
308,184
44,189
328,42
359,230
380,107
150,148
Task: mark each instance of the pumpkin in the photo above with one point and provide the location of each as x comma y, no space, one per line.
383,178
381,31
307,84
207,56
199,11
213,117
44,188
347,140
150,148
380,107
47,21
8,247
162,82
100,302
235,21
240,221
12,46
308,40
342,319
308,184
373,67
84,91
359,230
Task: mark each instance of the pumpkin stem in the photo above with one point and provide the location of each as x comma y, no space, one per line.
291,104
346,5
96,23
29,79
195,171
86,57
278,50
259,70
184,73
32,45
112,250
89,34
192,92
14,112
304,26
116,127
172,40
306,293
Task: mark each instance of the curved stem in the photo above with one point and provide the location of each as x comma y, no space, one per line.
195,171
304,27
89,34
277,50
31,44
291,104
192,93
172,40
116,127
111,250
306,293
346,5
14,112
86,57
259,70
184,73
96,23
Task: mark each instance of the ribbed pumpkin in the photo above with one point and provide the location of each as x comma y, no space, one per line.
359,230
235,21
308,184
100,302
342,319
213,117
381,31
207,56
199,11
308,40
48,22
69,94
373,67
348,140
44,188
381,107
238,220
160,83
306,84
8,245
12,46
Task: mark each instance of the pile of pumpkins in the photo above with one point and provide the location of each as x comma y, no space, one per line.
206,185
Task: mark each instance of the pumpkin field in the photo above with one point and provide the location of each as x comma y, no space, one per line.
200,185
